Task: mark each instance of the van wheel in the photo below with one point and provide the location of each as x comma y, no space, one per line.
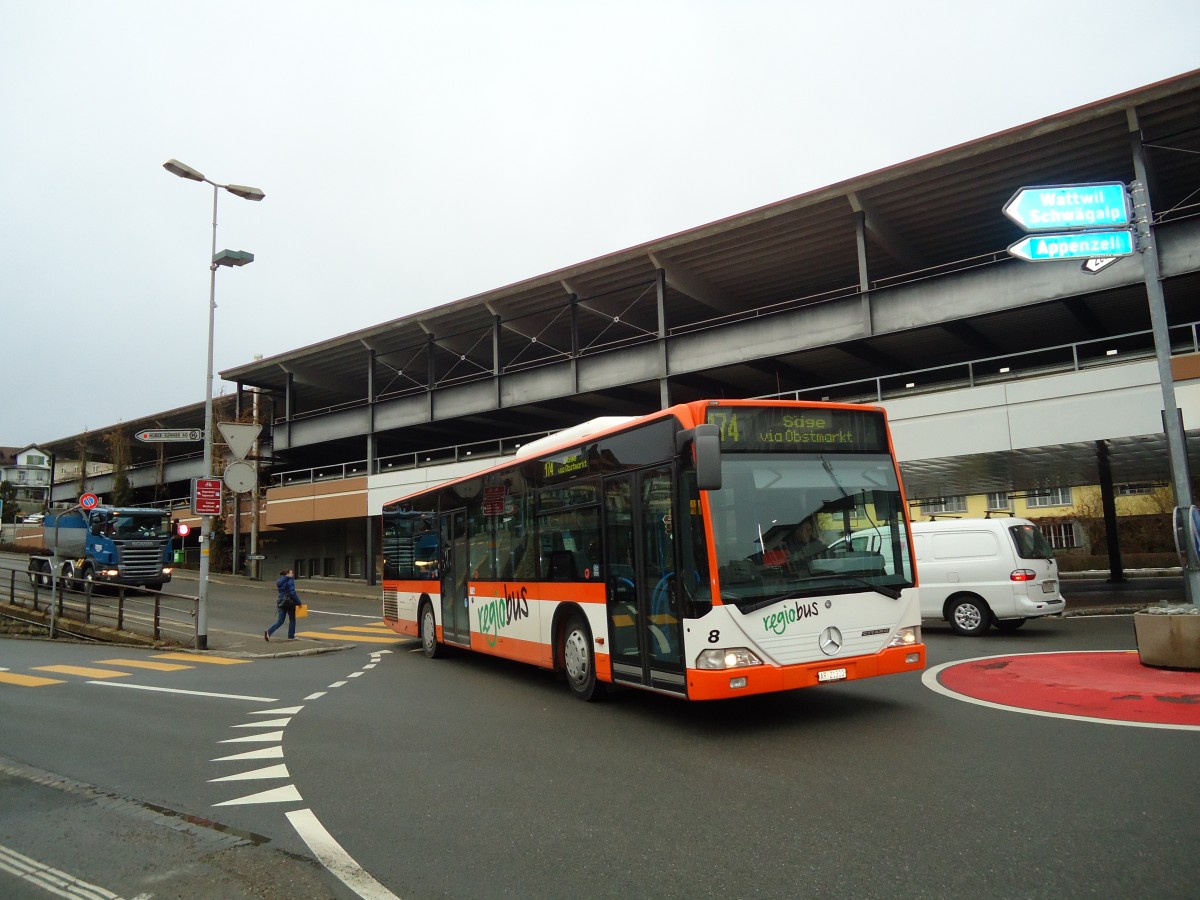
1008,624
969,616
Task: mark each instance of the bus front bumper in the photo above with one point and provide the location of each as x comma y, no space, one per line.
721,684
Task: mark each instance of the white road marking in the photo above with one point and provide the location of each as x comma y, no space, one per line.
279,771
275,752
162,690
49,879
273,723
270,737
338,684
929,679
287,794
334,858
285,711
317,696
354,674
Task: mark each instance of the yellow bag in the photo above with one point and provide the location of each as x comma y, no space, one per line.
301,610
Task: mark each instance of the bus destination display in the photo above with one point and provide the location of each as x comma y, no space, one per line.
765,429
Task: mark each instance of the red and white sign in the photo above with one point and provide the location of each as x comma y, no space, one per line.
183,530
88,501
206,496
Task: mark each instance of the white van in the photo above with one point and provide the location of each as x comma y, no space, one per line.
980,572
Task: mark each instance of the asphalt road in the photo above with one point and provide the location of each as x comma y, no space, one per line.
472,777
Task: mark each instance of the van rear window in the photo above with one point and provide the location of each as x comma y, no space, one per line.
1031,543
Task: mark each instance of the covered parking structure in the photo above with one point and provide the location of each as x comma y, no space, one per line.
876,288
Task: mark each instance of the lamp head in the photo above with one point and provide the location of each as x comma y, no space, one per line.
175,167
233,258
248,193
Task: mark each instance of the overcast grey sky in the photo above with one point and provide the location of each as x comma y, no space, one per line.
413,154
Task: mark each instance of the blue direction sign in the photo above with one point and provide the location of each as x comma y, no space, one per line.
1058,206
1075,245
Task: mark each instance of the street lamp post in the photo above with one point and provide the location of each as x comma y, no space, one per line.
224,258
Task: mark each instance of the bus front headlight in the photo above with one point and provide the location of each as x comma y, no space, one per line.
730,658
906,637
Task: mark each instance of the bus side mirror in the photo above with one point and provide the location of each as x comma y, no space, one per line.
706,443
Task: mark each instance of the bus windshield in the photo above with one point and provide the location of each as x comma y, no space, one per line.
782,526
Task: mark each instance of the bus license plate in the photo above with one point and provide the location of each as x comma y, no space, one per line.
831,675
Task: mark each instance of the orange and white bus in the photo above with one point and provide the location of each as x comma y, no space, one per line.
661,553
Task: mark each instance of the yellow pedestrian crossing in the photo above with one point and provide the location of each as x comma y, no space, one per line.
200,658
373,633
366,639
142,664
27,680
82,671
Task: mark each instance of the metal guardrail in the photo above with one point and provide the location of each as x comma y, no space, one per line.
62,605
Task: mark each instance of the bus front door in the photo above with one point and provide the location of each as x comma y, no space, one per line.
643,600
456,617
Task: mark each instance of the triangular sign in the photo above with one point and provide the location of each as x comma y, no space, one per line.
240,438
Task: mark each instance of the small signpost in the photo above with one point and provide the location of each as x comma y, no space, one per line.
1057,206
88,501
206,496
1089,222
164,435
1082,245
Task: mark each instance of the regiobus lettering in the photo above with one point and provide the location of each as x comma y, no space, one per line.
684,552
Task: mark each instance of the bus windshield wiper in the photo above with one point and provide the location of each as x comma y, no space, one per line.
886,590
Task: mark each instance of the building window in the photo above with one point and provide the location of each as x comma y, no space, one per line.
1049,497
944,505
1130,490
1060,536
35,460
999,501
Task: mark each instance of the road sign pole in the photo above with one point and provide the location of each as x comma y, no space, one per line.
1172,421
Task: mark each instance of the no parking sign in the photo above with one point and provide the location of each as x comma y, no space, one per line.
88,501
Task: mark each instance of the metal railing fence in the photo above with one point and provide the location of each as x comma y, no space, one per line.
61,604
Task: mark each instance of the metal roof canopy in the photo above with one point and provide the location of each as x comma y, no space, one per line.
923,218
934,211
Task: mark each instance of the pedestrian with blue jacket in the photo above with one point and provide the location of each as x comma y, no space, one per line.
286,603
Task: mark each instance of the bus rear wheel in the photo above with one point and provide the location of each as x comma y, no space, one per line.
578,659
428,628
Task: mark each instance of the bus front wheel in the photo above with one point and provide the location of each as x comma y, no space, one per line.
578,659
429,643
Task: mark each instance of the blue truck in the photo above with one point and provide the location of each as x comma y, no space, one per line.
118,545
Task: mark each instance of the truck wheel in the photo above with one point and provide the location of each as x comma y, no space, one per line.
87,576
969,615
